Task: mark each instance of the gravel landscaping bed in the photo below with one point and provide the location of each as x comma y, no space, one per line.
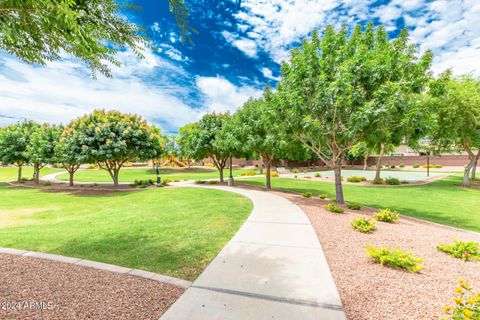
67,291
372,291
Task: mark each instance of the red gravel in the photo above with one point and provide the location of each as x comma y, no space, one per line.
77,292
372,291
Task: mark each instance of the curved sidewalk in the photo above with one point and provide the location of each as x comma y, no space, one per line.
273,268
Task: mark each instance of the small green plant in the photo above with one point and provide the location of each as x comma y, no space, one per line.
392,166
47,184
354,206
142,183
356,179
200,182
462,250
274,174
323,195
402,165
317,175
437,166
467,303
295,176
415,165
394,258
377,181
392,181
404,182
248,173
295,170
387,215
363,224
306,194
176,180
334,208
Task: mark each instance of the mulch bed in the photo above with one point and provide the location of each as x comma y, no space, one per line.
67,291
372,291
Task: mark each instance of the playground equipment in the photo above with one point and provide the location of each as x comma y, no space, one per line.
172,161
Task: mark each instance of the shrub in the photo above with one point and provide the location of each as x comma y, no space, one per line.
142,183
392,166
364,224
212,182
404,182
306,194
334,208
467,303
308,177
323,196
200,182
387,215
295,176
433,166
354,206
462,250
317,175
295,170
248,173
274,174
392,181
377,181
356,179
167,180
402,165
415,165
128,164
47,184
396,259
92,166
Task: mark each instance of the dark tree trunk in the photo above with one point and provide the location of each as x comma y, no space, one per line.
231,169
268,181
36,172
261,165
220,170
474,168
428,164
379,162
71,173
19,177
338,184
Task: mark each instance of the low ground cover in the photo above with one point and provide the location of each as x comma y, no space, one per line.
169,231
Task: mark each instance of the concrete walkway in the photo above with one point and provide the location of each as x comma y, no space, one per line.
273,268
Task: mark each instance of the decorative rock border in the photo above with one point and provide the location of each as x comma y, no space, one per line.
100,266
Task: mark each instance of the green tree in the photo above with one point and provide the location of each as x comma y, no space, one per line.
360,151
259,131
111,138
334,88
185,141
41,148
38,31
455,122
14,141
68,151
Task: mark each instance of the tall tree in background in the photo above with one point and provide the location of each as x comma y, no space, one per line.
456,117
14,141
37,31
111,138
41,148
334,87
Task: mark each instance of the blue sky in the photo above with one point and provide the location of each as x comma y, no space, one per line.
237,52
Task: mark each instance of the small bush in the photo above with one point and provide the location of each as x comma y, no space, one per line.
467,303
415,165
212,182
200,182
404,182
392,166
295,170
274,174
92,166
354,206
435,166
317,175
392,181
142,183
248,173
176,180
307,177
356,179
364,224
334,208
323,196
47,184
295,176
306,194
377,181
462,250
396,259
128,164
387,215
402,165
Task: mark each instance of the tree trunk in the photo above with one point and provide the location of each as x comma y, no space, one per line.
338,184
475,164
19,177
268,181
261,165
220,170
466,178
115,177
365,164
428,164
36,174
71,173
231,169
379,162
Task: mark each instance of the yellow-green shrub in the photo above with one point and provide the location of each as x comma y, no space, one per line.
467,303
306,194
356,179
462,250
394,258
248,173
354,206
364,224
387,215
334,208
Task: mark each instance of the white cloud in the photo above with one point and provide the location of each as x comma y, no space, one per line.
267,73
63,90
247,46
222,95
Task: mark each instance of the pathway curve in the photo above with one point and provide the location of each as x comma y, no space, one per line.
273,268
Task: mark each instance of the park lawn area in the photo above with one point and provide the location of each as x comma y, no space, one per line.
10,173
130,175
441,201
173,231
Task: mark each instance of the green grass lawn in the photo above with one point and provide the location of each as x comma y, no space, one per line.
10,173
441,201
170,231
130,175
